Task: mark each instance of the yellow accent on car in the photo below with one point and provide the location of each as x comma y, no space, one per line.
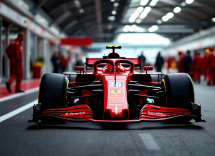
67,87
115,91
113,46
165,89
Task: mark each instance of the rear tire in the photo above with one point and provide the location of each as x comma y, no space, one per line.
53,91
179,90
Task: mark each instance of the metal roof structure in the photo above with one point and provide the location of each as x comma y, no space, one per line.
100,19
83,17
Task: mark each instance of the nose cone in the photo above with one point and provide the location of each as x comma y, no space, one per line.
116,104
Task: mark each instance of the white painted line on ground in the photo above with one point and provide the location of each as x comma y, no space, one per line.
17,111
19,94
149,142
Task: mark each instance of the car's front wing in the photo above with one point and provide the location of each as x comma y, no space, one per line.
148,113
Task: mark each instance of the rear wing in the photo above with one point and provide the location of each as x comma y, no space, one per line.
90,62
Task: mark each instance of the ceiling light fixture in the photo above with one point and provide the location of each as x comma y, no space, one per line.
170,15
144,2
143,15
213,19
111,18
116,4
165,18
139,10
148,9
133,28
136,14
189,1
131,19
126,28
177,10
138,21
183,4
159,21
114,12
145,12
153,2
153,28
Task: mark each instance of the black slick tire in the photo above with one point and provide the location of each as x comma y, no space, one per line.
53,91
179,91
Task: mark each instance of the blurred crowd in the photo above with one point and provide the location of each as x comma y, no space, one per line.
60,62
195,66
158,63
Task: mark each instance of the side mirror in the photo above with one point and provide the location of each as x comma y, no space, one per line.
146,68
81,68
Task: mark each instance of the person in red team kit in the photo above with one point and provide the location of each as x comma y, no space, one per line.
197,65
14,53
64,63
211,66
180,62
169,63
205,64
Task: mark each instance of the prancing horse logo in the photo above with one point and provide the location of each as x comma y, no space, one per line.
115,91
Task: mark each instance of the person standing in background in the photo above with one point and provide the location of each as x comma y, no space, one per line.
14,53
143,60
68,58
69,61
205,64
187,61
180,62
79,61
211,65
169,63
197,65
63,63
159,62
55,59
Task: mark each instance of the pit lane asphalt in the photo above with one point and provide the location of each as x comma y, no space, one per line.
19,138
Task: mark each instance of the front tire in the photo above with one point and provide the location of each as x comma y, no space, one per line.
53,91
179,91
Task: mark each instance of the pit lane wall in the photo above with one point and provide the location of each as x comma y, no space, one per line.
46,38
197,41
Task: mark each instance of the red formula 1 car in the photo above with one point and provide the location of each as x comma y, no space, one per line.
115,89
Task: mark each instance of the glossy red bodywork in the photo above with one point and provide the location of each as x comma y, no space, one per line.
91,61
115,90
154,112
115,98
79,112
